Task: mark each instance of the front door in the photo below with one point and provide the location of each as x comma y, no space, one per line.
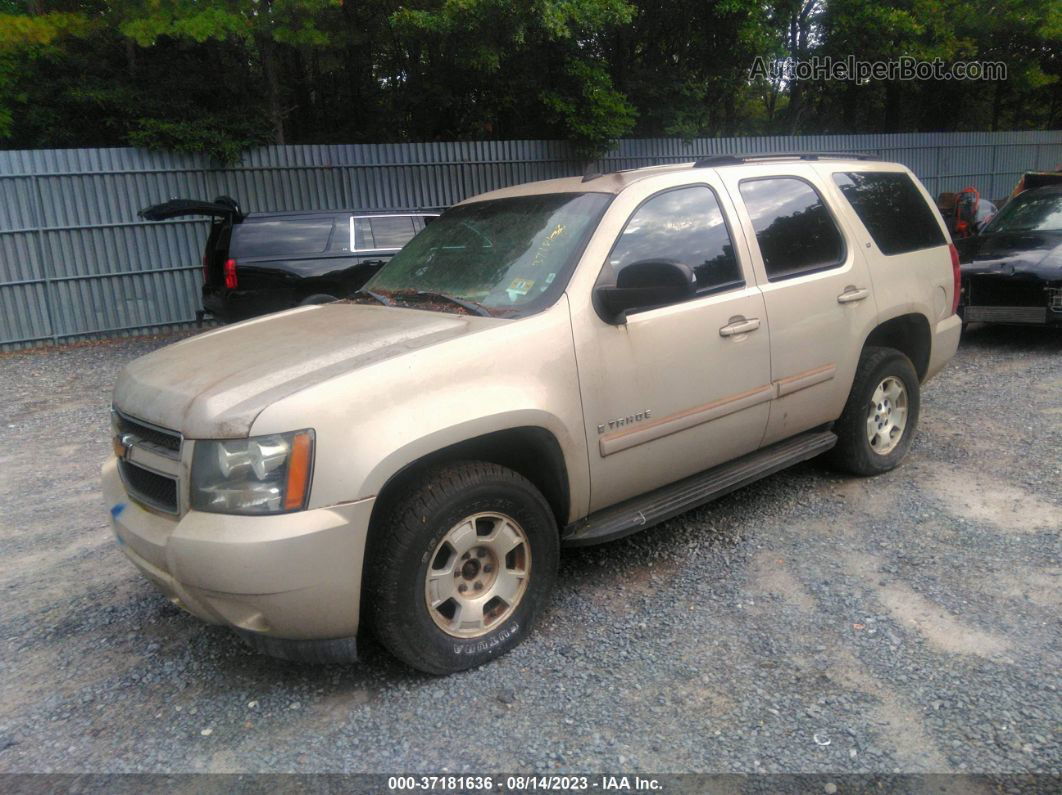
679,388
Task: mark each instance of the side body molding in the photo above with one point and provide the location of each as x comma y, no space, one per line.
627,438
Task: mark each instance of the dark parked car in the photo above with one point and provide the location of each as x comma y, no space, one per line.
265,262
1012,271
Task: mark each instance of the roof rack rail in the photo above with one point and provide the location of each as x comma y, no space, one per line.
592,173
735,160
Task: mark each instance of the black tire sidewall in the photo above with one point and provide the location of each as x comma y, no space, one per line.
316,299
439,652
869,460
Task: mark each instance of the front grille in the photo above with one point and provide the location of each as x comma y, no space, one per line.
152,489
993,290
1005,314
159,437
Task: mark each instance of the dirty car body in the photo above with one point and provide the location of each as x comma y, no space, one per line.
562,362
258,263
1012,271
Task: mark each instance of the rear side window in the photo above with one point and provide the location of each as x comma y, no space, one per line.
281,237
892,209
794,229
392,231
685,225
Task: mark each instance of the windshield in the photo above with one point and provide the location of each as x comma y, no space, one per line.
1029,214
504,257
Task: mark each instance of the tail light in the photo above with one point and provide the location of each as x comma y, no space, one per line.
230,273
957,274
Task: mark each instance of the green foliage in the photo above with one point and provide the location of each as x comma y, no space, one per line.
223,140
219,76
588,108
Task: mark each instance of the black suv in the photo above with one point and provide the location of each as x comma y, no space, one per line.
265,262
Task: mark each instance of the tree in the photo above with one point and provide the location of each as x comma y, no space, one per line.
262,28
220,76
486,68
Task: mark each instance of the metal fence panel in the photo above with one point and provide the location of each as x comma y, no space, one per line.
76,261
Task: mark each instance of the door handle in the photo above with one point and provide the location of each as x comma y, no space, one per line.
852,294
739,325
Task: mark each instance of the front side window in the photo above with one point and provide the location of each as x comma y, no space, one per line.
685,225
510,256
794,230
1029,213
892,209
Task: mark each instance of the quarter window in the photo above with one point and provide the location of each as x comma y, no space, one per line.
280,237
685,225
794,229
892,209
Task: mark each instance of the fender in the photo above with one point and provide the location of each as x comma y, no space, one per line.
572,448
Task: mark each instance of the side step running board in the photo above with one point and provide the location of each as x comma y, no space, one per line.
649,509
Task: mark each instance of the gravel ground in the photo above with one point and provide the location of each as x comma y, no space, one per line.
809,623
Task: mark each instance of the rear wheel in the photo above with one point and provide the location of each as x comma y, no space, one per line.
879,420
318,298
461,566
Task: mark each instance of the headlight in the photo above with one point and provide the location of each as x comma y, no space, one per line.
260,475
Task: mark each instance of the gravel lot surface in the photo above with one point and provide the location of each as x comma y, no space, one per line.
810,623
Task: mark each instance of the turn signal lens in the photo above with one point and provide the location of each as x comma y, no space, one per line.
298,472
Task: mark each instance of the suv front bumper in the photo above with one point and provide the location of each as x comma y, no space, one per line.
291,577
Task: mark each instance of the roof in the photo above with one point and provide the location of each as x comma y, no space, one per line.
616,181
358,213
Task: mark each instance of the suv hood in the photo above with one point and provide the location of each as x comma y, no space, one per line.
214,385
1022,254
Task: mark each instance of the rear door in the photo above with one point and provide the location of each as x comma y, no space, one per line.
174,208
816,288
224,212
377,238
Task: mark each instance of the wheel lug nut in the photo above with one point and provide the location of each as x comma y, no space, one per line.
466,556
488,568
480,553
462,587
478,586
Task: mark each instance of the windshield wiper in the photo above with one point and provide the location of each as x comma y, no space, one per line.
383,299
428,295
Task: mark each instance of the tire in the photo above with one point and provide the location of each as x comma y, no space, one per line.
448,516
855,452
317,298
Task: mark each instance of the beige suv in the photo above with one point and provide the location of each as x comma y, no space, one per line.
558,363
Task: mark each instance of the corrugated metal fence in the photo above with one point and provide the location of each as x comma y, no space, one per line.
75,260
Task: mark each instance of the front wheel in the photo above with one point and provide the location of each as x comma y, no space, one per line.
461,566
879,420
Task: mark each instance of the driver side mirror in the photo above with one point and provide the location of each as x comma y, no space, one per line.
645,284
